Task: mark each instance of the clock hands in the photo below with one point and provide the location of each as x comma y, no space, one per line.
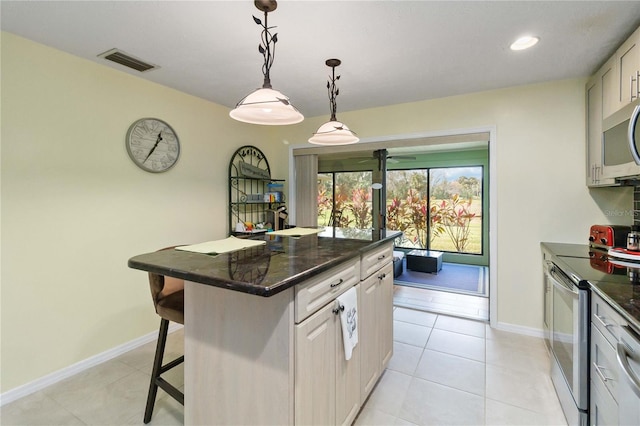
154,146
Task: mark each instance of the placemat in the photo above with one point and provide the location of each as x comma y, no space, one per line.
222,246
295,232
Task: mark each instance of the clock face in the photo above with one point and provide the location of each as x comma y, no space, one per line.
153,145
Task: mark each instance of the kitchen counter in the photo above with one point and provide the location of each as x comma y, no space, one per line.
272,353
266,270
611,283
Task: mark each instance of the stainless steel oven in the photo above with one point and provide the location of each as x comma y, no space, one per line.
568,339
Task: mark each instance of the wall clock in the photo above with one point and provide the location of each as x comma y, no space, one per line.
153,145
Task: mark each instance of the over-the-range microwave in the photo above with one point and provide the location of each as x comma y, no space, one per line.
621,143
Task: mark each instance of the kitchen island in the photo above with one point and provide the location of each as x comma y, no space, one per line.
263,343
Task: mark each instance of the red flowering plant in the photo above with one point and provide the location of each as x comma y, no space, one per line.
340,204
409,215
324,203
361,207
415,210
452,217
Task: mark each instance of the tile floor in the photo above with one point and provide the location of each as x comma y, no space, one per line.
444,371
442,302
453,371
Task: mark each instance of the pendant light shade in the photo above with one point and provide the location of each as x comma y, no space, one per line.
333,132
266,106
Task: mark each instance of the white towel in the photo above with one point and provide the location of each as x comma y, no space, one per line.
349,320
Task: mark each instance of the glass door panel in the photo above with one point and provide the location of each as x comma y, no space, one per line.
345,199
455,209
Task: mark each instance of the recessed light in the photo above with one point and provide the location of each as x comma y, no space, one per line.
524,43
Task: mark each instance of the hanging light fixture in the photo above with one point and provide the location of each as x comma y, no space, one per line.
266,105
333,132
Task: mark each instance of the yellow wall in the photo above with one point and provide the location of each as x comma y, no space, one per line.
540,175
75,208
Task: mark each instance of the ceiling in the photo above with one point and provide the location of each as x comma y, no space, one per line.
391,51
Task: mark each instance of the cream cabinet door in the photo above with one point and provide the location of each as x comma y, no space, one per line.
385,312
594,110
610,86
347,376
315,368
376,332
327,386
368,335
628,64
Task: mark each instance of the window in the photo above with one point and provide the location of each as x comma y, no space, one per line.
437,208
344,199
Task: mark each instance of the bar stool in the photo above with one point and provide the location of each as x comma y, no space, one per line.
168,298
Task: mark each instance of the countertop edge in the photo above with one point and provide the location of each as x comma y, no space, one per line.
248,288
634,323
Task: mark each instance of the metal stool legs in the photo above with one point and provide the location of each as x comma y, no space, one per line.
158,370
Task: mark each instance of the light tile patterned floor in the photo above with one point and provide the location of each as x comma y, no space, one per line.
442,302
453,371
444,371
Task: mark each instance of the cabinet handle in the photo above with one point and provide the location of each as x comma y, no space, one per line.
601,320
382,276
339,309
601,374
336,284
622,355
635,78
382,257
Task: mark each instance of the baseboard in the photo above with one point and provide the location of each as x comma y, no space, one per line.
78,367
527,331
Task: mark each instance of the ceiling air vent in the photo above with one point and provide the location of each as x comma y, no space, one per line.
123,58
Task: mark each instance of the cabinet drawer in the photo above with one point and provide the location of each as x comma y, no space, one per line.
606,319
604,409
376,259
604,365
318,291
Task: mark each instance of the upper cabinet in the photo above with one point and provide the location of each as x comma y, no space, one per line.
609,87
596,104
614,86
628,70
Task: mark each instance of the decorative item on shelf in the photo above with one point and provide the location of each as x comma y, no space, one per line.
266,105
276,218
252,171
333,132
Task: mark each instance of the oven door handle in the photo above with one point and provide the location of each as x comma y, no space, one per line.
559,283
623,361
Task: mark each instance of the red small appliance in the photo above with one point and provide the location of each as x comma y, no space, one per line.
608,236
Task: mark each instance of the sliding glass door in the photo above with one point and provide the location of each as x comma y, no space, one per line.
437,208
345,199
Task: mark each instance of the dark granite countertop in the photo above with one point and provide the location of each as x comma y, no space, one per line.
269,269
608,281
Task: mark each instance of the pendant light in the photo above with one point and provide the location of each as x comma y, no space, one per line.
266,105
333,132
